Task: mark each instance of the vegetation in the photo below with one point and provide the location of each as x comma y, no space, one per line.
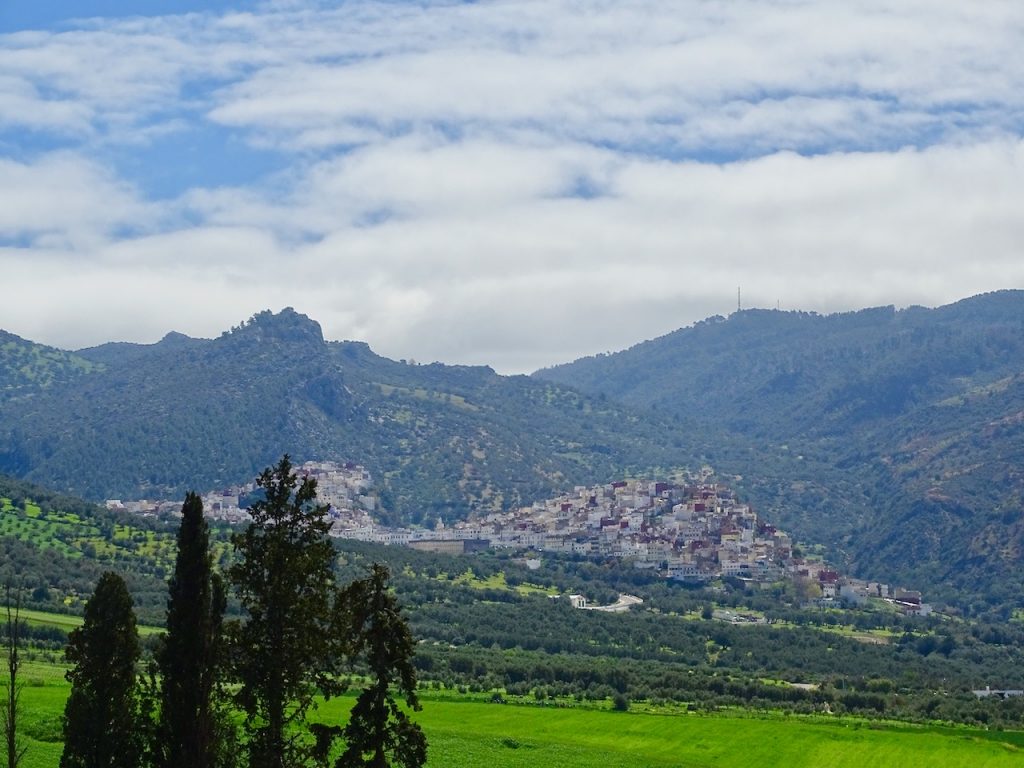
483,638
192,730
282,653
13,639
297,632
499,736
102,719
893,437
27,369
470,732
379,733
486,623
484,634
441,440
60,546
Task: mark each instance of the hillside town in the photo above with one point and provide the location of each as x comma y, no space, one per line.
344,486
691,530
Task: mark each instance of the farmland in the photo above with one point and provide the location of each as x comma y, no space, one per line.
58,547
67,622
465,733
493,735
699,690
106,540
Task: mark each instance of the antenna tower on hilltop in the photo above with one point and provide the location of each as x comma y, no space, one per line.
739,304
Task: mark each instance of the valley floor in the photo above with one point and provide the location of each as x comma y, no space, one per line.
465,733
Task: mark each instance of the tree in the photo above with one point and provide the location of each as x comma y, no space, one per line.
379,734
12,701
284,580
101,721
190,730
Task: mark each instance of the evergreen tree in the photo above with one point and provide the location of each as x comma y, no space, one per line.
284,580
101,721
190,731
379,734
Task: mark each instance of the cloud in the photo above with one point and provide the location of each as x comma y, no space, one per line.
643,74
636,73
515,182
534,276
489,270
65,200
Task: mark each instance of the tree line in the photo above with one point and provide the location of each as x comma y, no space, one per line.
219,693
488,640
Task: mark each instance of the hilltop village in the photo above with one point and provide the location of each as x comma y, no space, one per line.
344,486
694,530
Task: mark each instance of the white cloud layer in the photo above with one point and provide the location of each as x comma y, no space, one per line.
512,183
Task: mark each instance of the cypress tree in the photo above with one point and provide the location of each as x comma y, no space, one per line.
189,729
284,580
101,717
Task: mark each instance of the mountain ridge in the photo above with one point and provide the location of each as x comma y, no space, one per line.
889,431
441,440
893,436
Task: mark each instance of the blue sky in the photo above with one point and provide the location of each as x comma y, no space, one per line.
514,182
20,15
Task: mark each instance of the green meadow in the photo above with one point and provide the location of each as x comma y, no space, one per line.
502,736
468,734
68,622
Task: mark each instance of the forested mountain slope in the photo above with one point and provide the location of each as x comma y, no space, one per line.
155,420
27,368
895,436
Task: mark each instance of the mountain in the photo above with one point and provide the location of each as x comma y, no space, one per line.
895,437
121,352
27,368
156,420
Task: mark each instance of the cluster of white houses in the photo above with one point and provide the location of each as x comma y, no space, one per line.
695,531
344,486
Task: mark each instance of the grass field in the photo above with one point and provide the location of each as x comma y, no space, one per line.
68,622
468,734
501,736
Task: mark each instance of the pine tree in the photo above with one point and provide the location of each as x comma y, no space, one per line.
101,721
190,730
379,733
284,580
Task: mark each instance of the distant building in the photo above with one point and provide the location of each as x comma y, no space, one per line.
988,692
450,546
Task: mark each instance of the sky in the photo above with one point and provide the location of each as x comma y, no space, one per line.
513,183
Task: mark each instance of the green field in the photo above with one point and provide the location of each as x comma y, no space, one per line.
466,734
72,537
68,622
493,735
